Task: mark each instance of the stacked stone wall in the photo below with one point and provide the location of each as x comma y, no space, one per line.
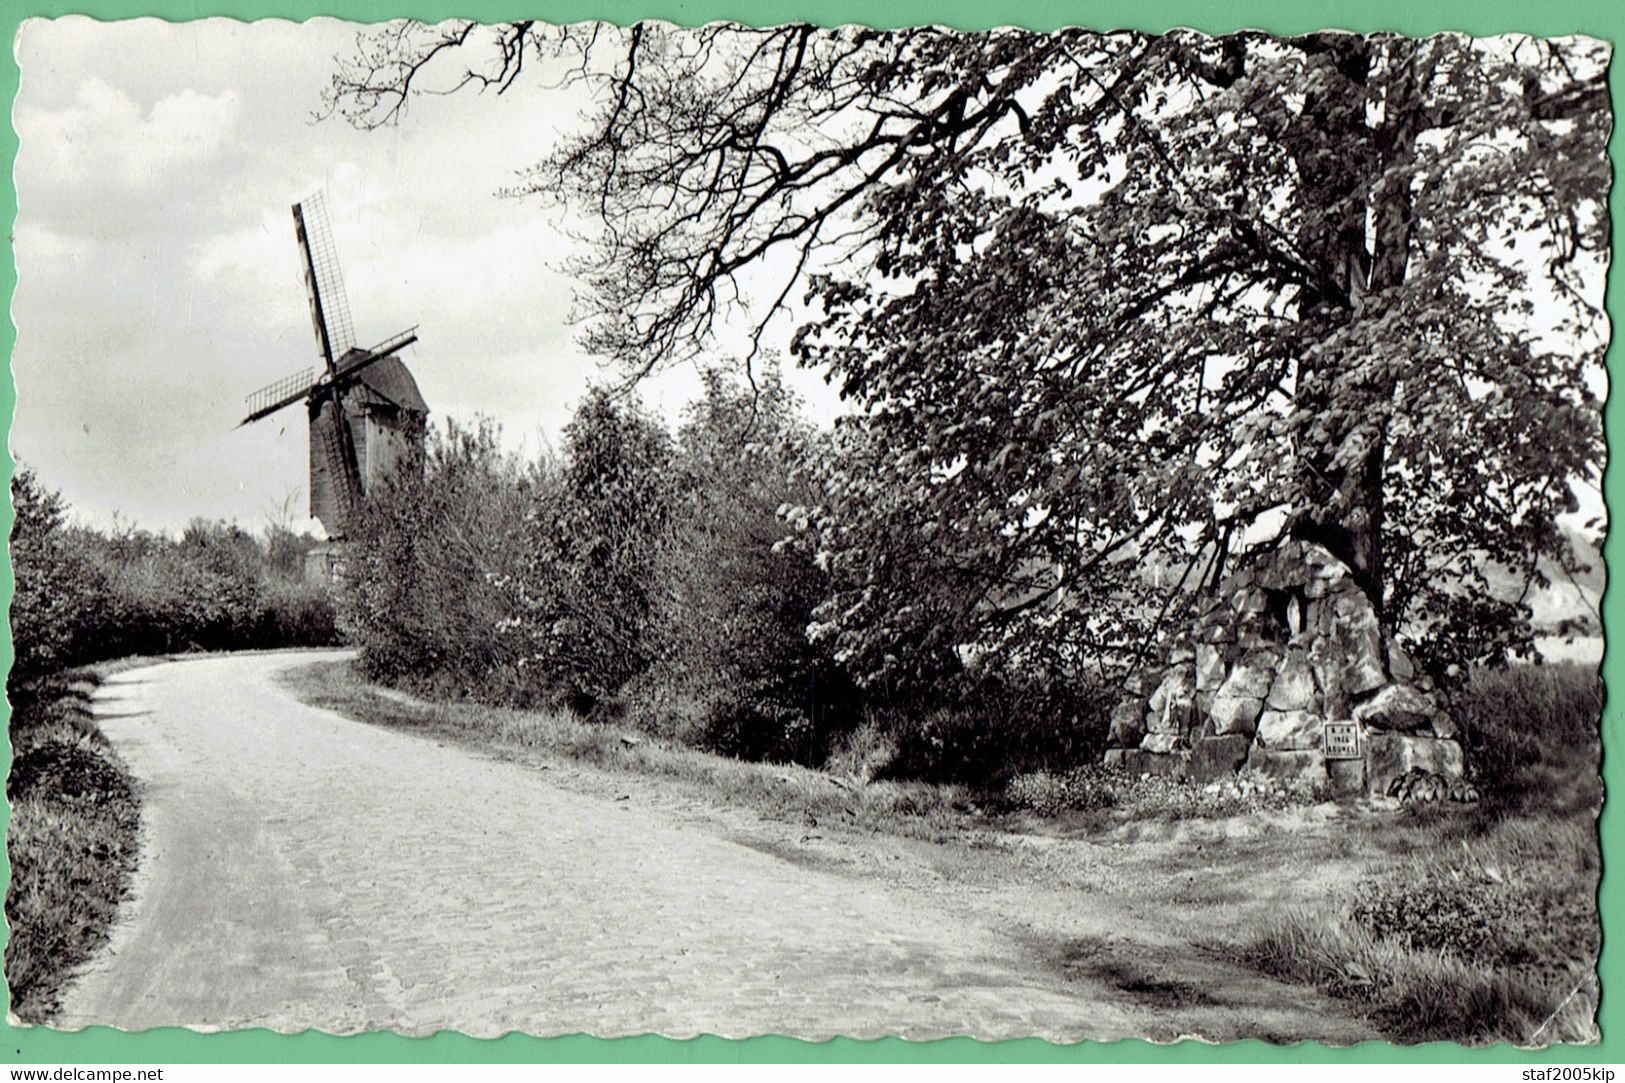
1285,647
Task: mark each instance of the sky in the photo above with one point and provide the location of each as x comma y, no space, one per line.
159,279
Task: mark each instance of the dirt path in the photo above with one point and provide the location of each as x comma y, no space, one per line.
302,870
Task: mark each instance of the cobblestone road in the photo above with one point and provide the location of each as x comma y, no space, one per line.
302,870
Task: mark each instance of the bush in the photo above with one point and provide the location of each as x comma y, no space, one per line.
82,596
430,595
1531,734
732,668
72,840
588,578
994,726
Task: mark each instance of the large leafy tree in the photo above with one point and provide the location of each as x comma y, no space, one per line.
1109,303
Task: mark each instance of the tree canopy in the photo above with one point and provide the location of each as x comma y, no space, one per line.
1106,303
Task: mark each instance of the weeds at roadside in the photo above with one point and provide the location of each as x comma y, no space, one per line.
783,791
72,840
1485,926
1095,789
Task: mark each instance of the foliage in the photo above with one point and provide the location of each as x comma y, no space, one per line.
1532,737
1154,797
423,595
82,596
1419,996
1105,301
986,727
58,583
71,842
1487,935
731,603
583,592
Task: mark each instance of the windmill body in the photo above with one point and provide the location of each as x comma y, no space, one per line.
367,417
384,416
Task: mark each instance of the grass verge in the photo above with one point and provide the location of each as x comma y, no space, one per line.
784,791
72,842
1484,927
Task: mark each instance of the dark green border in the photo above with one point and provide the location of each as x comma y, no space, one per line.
1602,18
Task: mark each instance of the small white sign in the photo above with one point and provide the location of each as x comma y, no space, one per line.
1342,740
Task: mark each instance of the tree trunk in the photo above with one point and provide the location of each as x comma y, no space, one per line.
1348,516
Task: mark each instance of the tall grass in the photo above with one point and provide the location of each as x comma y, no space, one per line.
1422,996
72,839
1485,926
1531,737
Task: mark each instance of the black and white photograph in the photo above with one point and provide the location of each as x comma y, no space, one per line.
808,530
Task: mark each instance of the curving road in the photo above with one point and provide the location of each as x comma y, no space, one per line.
302,870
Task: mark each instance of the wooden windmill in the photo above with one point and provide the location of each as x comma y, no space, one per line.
366,414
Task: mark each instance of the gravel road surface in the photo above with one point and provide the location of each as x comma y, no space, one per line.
303,870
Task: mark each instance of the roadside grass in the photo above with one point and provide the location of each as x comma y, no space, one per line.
1484,926
784,791
72,841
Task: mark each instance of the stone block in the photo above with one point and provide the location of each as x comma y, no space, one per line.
1161,743
1232,713
1290,730
1178,683
1249,602
1347,777
1179,716
1359,635
1317,556
1401,667
1307,766
1171,765
1143,681
1128,723
1252,676
1211,667
1294,686
1126,760
1397,707
1391,755
1217,757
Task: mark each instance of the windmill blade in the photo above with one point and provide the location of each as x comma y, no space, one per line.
334,484
329,308
273,397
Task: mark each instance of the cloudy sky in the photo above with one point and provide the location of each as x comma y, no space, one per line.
159,281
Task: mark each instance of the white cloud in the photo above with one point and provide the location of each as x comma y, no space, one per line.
104,135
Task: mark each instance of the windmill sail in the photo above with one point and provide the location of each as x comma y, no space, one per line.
285,392
332,491
366,414
329,308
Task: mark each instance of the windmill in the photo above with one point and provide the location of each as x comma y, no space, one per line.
366,414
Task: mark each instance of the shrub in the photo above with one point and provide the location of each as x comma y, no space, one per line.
428,595
1084,789
1531,733
72,839
990,727
731,663
584,586
83,596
